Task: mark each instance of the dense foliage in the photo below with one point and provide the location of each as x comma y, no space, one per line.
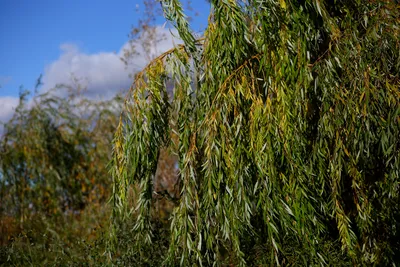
285,119
49,141
54,180
55,185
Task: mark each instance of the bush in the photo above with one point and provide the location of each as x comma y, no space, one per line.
54,179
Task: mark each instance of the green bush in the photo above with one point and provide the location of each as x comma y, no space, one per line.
54,181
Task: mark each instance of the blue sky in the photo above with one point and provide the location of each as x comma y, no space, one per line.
52,37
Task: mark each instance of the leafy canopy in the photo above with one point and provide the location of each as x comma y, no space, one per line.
285,118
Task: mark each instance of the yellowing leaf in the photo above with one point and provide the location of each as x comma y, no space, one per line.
283,4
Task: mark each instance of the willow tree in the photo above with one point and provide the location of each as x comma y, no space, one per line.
285,118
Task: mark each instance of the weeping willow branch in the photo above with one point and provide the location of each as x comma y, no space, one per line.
286,131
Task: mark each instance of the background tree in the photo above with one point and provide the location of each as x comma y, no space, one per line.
53,173
285,121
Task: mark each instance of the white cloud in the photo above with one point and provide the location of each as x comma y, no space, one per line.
103,73
7,105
